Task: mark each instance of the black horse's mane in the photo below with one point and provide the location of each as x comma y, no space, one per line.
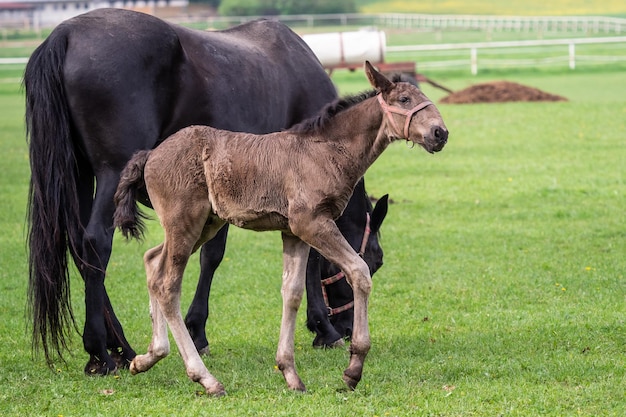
316,123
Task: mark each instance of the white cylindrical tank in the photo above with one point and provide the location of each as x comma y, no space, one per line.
348,48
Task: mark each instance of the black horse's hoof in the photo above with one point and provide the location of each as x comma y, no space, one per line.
196,331
122,358
205,351
320,343
96,367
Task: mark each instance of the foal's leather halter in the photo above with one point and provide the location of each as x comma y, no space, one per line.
338,276
407,113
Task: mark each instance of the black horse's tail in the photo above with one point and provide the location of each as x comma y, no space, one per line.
54,226
127,216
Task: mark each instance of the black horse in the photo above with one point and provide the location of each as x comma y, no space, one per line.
108,83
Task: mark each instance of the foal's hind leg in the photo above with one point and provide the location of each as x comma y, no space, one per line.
160,344
165,265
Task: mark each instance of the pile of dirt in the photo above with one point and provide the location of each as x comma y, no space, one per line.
499,92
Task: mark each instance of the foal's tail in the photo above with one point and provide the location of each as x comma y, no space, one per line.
53,215
127,216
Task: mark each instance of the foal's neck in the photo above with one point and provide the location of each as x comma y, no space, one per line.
363,132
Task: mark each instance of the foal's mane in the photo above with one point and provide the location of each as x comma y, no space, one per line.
317,123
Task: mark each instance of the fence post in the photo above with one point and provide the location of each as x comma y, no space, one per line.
474,61
572,56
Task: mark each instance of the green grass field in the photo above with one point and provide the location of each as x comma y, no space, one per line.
502,291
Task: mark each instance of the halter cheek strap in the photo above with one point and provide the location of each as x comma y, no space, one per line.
407,113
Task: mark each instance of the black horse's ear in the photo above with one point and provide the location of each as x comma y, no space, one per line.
379,213
378,81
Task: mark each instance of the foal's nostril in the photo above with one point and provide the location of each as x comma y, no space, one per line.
440,134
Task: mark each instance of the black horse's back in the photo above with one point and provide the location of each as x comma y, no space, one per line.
247,58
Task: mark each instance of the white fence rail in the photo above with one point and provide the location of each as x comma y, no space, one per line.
473,48
8,61
539,24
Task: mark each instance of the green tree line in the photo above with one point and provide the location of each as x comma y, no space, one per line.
278,7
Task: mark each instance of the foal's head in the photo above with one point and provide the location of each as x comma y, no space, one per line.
408,112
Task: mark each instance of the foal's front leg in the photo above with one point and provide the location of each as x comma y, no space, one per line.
295,255
324,236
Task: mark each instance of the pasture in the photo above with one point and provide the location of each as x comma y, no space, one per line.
502,291
494,7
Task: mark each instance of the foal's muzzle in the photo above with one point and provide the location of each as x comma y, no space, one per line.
439,136
436,139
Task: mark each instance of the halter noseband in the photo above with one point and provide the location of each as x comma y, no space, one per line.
407,113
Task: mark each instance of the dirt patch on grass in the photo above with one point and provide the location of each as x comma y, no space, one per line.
499,92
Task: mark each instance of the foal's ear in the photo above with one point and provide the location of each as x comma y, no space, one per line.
378,81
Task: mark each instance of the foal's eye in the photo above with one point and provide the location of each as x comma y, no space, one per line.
404,99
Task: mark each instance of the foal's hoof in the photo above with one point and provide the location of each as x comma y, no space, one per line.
216,392
351,381
133,368
299,387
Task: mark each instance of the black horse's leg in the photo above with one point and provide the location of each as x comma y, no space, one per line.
102,329
121,352
211,256
119,348
317,312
